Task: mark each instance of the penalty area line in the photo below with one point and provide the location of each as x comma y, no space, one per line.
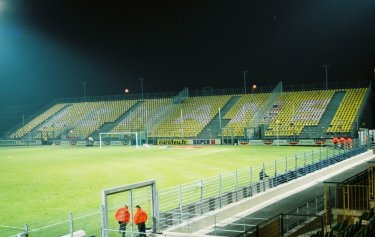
12,227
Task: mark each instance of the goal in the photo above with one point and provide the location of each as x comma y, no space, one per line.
119,138
142,194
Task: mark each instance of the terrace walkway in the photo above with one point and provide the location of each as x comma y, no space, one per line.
282,199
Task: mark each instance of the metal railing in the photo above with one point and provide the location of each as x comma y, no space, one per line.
361,110
216,91
302,221
203,196
266,106
88,223
294,225
322,86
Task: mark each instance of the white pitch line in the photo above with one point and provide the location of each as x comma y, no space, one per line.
12,227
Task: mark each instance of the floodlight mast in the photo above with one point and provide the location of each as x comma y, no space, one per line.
326,66
244,80
141,79
84,90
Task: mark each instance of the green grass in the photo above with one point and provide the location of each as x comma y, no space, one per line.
41,185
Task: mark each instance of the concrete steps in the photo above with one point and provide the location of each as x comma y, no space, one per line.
212,130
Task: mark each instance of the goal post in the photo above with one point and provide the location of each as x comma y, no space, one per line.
142,193
124,138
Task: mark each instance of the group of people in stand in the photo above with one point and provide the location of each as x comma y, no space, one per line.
122,215
346,143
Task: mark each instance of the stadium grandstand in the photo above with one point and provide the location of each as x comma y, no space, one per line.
228,115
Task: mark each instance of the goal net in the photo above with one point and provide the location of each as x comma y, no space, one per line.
119,138
141,194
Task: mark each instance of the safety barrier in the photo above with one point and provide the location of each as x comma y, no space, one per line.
179,204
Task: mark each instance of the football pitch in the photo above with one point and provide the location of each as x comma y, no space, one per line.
42,185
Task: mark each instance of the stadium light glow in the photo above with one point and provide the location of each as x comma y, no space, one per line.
2,5
253,88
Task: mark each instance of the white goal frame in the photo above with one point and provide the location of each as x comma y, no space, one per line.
129,188
118,133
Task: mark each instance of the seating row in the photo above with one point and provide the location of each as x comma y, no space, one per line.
138,118
295,110
190,118
242,112
348,111
84,118
28,127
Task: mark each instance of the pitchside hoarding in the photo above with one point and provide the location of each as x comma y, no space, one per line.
188,141
19,142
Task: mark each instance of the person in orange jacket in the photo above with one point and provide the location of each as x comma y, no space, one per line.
122,215
342,142
140,218
349,143
335,140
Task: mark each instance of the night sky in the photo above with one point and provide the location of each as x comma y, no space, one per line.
48,48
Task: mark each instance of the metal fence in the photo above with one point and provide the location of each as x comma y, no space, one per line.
217,91
301,225
313,207
189,200
304,220
85,223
